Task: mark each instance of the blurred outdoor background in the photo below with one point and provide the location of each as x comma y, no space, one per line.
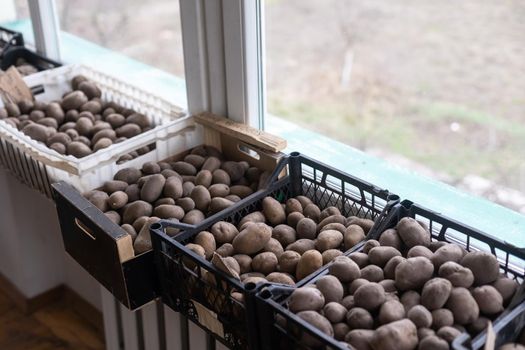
435,86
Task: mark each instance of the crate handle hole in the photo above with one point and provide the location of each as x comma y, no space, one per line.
84,229
249,152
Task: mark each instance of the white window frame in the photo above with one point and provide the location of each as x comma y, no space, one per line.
224,58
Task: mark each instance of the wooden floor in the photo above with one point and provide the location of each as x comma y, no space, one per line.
54,326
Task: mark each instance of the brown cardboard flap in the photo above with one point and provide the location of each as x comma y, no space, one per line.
12,87
242,132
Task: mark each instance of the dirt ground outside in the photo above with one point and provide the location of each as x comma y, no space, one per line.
438,86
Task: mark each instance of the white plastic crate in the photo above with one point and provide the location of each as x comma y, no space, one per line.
37,166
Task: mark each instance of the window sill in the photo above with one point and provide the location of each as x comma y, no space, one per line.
471,210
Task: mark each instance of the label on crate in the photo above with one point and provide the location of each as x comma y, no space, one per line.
208,319
491,338
12,87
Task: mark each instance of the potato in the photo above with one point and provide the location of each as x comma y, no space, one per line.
166,211
225,250
331,288
281,278
78,149
54,110
329,239
193,217
303,299
458,275
369,296
187,187
372,273
419,250
218,190
284,234
92,106
150,168
400,335
390,267
201,197
435,293
234,169
484,267
422,333
101,144
360,258
448,252
412,233
388,285
432,342
340,331
59,137
115,120
104,133
288,261
37,132
37,115
99,199
335,226
113,216
133,192
390,238
360,338
84,140
355,284
130,230
273,211
265,262
73,100
318,321
218,204
293,219
173,188
128,175
359,318
310,261
506,287
135,210
293,205
489,300
391,311
478,326
301,246
203,178
442,318
345,269
348,302
448,333
114,186
224,232
118,199
306,228
256,216
311,210
90,89
241,191
274,246
463,306
252,239
330,254
59,147
413,273
410,299
244,261
139,119
152,188
369,244
330,220
381,255
420,316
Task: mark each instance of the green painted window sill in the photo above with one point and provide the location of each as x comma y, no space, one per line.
473,211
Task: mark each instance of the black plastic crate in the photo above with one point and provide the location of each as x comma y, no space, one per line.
210,305
15,54
280,328
9,38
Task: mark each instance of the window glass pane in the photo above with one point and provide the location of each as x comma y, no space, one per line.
146,30
437,86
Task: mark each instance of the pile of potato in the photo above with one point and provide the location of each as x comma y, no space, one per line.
283,243
188,190
404,292
80,123
25,68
